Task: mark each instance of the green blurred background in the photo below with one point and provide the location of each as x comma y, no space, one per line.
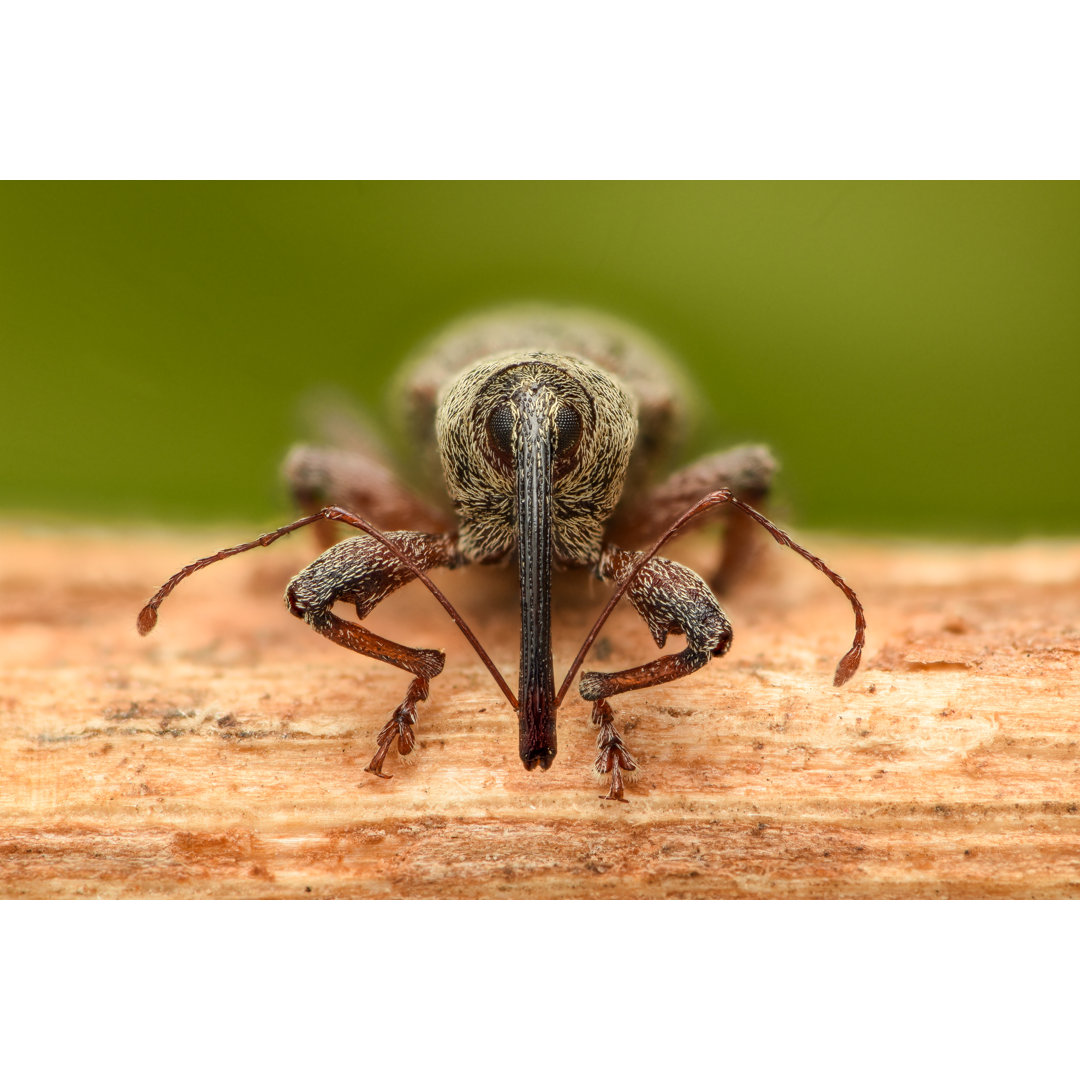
911,351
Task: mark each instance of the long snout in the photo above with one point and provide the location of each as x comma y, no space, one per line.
533,467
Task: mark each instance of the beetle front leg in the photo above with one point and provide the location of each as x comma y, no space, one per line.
363,572
400,726
672,600
612,756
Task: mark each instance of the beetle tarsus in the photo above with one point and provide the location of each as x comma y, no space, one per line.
401,727
613,757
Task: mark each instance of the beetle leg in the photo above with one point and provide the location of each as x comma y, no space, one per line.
745,470
612,756
360,480
361,571
672,600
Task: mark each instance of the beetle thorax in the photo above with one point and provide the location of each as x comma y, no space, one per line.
592,424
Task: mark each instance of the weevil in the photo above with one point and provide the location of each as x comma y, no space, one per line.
548,426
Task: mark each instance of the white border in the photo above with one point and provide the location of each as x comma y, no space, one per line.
569,89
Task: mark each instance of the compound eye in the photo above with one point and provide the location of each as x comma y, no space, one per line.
501,429
568,426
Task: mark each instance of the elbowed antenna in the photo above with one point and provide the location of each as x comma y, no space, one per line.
849,662
147,619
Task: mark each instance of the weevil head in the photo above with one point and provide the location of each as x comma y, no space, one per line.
591,421
535,448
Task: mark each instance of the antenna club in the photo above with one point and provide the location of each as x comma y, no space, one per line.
849,664
147,620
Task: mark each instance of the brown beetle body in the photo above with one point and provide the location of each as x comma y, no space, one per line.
547,425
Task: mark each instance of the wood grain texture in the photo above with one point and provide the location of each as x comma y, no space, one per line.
223,755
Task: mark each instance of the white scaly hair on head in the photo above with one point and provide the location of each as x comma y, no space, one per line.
585,493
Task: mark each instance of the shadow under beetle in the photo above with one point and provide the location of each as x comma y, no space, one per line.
547,424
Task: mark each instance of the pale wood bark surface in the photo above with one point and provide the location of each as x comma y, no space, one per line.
223,755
